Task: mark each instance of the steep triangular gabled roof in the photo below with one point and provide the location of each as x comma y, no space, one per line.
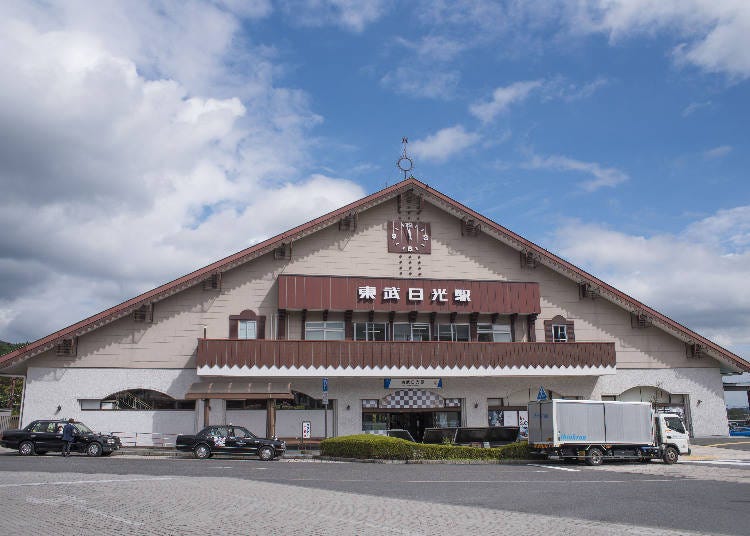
431,195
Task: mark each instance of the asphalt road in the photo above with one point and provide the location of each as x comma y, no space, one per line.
734,443
553,498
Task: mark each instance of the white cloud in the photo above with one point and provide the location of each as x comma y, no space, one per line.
603,176
693,107
444,143
716,34
718,152
697,276
417,82
122,170
502,98
434,47
352,15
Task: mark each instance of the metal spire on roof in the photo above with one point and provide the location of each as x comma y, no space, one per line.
405,163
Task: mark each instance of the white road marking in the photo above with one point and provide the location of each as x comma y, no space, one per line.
745,463
554,467
75,482
496,481
79,505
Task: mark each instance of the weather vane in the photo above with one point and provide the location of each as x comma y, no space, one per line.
405,163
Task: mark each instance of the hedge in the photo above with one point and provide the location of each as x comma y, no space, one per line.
378,447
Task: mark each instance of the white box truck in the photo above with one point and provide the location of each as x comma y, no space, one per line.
596,430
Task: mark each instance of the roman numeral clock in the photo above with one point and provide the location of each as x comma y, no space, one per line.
409,237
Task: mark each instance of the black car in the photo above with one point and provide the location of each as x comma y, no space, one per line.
41,437
229,439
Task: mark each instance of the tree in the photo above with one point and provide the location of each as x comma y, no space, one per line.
10,388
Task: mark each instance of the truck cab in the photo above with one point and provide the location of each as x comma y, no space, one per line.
671,431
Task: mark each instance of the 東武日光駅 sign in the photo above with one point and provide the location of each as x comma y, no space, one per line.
343,293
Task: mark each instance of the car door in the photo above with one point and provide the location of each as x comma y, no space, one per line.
242,441
46,436
220,439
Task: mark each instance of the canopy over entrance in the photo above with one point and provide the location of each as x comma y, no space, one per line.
240,390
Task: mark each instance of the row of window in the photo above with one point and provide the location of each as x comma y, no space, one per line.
401,331
406,331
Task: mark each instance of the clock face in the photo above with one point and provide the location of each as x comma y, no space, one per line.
409,237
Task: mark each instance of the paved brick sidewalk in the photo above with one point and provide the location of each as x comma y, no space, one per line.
84,504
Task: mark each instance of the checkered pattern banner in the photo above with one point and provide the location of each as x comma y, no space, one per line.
452,402
369,404
412,398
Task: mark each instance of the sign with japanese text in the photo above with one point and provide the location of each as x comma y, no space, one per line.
401,383
306,429
297,292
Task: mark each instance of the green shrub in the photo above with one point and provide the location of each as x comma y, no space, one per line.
378,447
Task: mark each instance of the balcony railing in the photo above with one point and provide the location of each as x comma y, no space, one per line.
292,354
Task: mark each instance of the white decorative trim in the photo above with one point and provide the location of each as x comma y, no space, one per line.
379,372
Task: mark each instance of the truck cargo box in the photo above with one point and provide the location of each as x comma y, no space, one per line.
584,422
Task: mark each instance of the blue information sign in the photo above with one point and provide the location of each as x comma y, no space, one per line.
325,385
542,395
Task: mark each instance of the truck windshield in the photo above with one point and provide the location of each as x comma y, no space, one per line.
675,423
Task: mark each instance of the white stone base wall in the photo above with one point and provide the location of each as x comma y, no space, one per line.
46,388
703,387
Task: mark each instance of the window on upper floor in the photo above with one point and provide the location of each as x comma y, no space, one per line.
370,331
417,331
494,333
559,329
559,333
453,332
324,331
247,329
247,325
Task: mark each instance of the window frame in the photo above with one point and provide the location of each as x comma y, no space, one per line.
244,324
368,329
453,332
486,328
326,327
560,329
412,325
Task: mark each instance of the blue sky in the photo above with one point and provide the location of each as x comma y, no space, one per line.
148,139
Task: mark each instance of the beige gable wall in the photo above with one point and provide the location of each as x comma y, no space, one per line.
170,341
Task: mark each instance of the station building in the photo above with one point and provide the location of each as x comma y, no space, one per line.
412,309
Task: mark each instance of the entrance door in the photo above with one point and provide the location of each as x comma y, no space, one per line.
414,422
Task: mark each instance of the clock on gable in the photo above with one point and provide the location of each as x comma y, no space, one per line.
409,237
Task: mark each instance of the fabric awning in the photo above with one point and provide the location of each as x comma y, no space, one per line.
240,390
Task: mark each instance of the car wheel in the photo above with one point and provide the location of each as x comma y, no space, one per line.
670,455
594,456
26,448
265,453
94,449
202,452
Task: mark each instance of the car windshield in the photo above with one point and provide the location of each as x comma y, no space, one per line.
82,428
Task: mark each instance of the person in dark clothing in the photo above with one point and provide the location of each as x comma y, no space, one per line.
69,432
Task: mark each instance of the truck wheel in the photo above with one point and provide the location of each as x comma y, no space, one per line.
594,456
670,455
202,452
266,454
26,448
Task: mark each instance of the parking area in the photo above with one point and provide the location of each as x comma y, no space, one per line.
161,495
